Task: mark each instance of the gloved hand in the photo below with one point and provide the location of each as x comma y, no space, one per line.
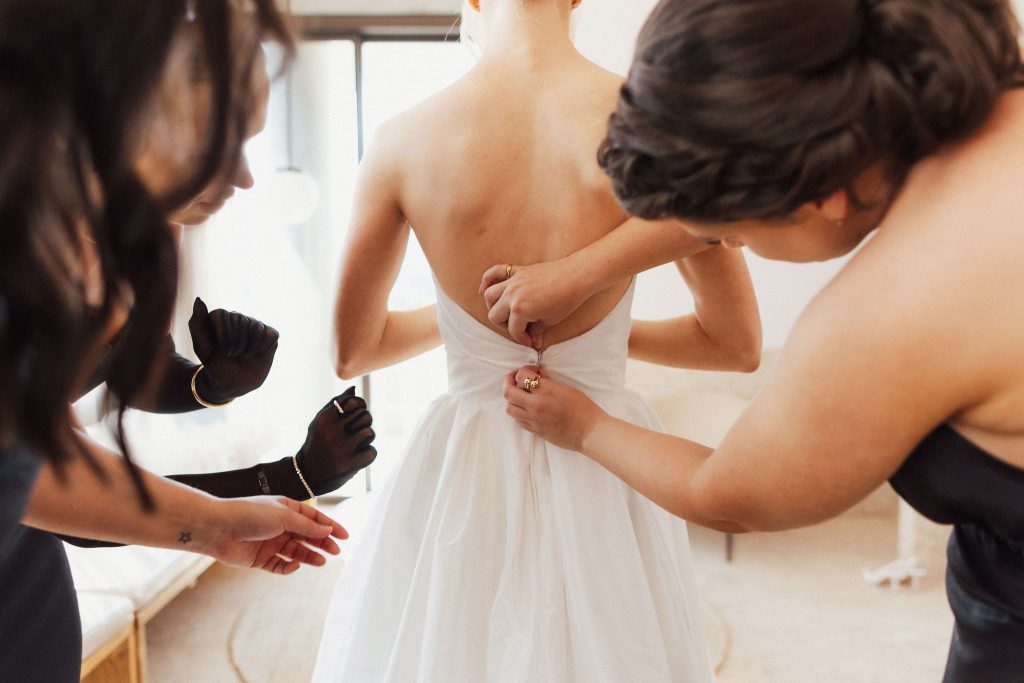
337,443
236,352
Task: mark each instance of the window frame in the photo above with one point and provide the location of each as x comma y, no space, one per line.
360,30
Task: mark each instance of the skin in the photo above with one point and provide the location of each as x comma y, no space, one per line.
514,175
274,534
920,328
238,176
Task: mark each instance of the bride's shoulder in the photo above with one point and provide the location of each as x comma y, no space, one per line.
432,115
600,82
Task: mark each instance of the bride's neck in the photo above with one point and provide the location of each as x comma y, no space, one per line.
530,30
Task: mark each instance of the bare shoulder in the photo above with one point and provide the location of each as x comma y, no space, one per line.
426,121
603,84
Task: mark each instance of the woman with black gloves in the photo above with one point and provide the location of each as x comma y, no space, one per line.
236,353
85,251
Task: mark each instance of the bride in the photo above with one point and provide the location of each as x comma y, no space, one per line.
489,556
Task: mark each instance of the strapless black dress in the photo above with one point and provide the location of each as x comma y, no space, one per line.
951,481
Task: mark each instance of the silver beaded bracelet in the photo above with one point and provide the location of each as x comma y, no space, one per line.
295,462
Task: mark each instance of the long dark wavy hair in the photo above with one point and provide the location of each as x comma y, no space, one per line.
78,84
747,109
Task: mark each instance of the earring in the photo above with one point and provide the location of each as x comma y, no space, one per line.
475,4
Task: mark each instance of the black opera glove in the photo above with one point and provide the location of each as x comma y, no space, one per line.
236,352
337,443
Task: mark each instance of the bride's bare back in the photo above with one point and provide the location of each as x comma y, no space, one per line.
501,167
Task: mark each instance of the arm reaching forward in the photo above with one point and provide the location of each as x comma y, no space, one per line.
541,295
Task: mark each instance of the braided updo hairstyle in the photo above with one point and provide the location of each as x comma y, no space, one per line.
747,109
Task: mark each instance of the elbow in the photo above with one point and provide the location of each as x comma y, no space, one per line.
744,357
749,359
719,509
747,351
346,373
347,365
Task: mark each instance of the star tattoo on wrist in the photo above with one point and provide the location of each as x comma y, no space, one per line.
185,538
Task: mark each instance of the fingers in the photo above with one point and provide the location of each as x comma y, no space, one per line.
499,312
352,404
536,332
267,558
514,394
493,275
495,291
365,438
240,336
502,314
517,328
306,521
259,338
366,456
337,530
361,419
200,328
297,550
516,412
526,372
347,400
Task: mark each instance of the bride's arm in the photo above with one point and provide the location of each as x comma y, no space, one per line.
723,332
367,335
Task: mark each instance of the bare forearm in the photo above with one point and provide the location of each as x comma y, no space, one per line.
683,343
725,305
723,333
662,467
633,247
403,335
83,505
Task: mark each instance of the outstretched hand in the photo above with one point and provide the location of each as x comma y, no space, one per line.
277,535
552,411
532,299
337,443
236,352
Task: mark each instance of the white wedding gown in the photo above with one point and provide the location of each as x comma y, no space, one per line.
492,555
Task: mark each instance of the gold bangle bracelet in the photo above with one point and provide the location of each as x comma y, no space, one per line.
199,400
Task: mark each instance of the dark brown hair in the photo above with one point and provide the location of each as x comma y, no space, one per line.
77,81
746,109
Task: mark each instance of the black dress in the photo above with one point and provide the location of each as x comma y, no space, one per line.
40,631
951,481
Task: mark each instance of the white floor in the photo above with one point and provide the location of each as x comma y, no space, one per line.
791,606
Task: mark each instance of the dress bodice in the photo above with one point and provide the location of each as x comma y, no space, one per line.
951,480
479,357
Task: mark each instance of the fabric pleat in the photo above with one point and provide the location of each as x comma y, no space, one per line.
492,555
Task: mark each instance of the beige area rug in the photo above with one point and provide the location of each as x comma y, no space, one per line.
791,607
287,658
